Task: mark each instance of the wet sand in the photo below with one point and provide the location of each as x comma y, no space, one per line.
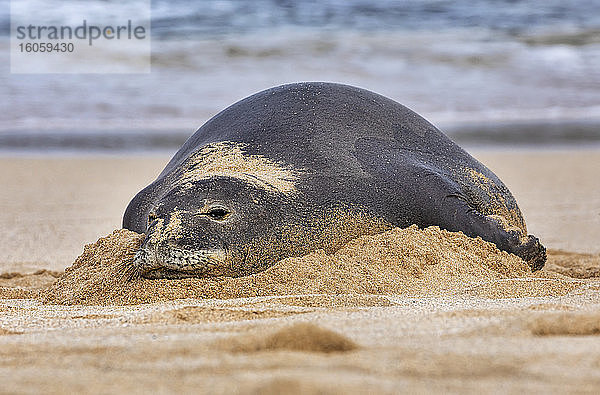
505,331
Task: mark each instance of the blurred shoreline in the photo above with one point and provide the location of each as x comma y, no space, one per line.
523,135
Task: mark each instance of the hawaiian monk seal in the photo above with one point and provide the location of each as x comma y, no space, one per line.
309,166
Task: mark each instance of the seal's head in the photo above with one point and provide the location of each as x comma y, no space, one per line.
206,229
225,212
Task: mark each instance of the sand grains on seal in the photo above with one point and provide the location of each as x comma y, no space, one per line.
229,159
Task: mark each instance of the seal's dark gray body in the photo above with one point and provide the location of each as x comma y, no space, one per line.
352,148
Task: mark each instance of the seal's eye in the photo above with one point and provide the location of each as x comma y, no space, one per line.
218,213
151,217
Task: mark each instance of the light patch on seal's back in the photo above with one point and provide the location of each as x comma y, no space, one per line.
228,159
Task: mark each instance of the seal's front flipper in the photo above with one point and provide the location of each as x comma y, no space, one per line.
532,252
453,210
429,196
492,228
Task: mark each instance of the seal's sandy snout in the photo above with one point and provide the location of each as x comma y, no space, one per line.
161,255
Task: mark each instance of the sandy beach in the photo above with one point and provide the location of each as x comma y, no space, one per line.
495,329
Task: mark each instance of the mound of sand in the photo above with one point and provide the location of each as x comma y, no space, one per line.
297,337
409,262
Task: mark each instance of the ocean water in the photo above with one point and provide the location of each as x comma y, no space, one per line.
486,71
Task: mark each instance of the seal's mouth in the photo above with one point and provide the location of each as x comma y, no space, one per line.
171,274
172,262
